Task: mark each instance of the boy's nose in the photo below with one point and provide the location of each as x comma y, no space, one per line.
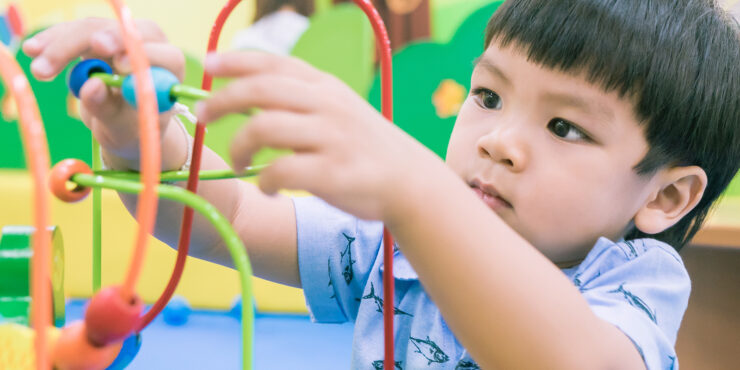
504,146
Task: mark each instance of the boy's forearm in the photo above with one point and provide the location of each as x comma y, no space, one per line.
505,301
252,214
169,213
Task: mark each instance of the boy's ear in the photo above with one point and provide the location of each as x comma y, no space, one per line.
678,191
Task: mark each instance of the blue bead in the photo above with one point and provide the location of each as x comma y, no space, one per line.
177,311
163,82
81,72
129,350
236,308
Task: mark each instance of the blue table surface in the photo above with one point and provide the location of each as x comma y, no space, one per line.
212,340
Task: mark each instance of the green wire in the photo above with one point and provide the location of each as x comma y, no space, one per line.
96,221
222,225
183,175
177,91
189,92
109,79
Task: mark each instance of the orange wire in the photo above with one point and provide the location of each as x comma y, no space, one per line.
37,158
150,151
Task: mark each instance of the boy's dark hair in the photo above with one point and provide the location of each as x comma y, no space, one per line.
677,60
265,7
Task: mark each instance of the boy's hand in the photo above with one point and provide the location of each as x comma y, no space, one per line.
112,121
345,151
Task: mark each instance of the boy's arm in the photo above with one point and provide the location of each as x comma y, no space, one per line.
266,224
505,301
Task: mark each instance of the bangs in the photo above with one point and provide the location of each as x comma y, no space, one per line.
608,41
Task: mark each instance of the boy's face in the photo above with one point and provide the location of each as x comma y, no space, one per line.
559,151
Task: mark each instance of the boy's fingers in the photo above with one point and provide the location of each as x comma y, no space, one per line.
33,46
159,54
274,129
99,101
264,91
56,47
36,44
297,171
246,63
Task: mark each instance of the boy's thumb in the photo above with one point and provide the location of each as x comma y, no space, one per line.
98,100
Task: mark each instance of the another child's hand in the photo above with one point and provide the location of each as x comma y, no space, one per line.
112,121
345,151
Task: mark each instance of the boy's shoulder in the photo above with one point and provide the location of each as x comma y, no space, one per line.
634,248
629,261
640,286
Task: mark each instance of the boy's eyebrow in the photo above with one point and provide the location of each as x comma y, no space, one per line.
582,104
491,68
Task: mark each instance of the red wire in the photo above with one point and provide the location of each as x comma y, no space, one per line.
383,44
386,86
187,217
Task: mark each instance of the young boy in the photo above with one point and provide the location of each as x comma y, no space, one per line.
594,140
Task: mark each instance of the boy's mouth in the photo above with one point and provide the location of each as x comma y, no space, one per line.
489,195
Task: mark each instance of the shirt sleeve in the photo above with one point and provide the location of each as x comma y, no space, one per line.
336,252
641,287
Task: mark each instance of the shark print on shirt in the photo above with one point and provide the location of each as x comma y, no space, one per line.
378,365
467,365
636,302
379,302
334,295
429,350
633,251
348,261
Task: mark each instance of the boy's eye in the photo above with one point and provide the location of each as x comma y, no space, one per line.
566,130
487,98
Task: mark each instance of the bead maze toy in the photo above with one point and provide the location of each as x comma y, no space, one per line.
110,334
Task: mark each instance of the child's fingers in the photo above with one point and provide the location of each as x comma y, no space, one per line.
99,100
274,129
56,47
159,54
36,44
245,63
264,91
297,171
33,46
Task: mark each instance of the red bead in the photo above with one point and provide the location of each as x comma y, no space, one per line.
61,173
73,351
111,319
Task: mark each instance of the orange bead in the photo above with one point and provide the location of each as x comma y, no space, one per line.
110,318
73,351
63,172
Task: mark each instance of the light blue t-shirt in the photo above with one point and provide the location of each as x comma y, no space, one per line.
640,286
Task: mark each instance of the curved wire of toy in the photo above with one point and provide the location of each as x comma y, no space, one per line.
384,49
37,158
192,185
222,225
386,95
146,208
183,175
